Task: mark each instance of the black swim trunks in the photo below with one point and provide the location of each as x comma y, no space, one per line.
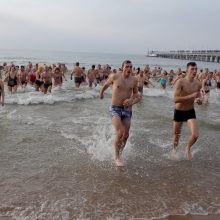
39,83
140,89
78,79
181,116
47,85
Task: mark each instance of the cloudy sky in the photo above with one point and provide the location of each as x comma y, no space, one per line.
120,26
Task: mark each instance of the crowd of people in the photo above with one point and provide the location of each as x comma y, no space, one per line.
44,77
191,86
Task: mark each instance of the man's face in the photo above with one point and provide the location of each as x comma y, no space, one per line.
192,70
127,68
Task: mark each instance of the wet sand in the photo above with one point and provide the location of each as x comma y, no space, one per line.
193,217
187,217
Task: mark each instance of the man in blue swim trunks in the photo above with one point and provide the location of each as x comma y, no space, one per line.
124,95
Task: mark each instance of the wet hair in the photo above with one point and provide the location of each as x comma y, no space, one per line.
57,68
93,66
83,68
77,63
191,64
22,67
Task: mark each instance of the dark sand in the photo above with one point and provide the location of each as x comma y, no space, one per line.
193,217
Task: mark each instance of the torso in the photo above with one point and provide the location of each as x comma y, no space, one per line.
188,88
122,88
77,71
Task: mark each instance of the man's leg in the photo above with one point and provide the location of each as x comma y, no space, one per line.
126,126
193,126
119,130
176,134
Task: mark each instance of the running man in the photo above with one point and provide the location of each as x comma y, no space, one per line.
2,93
141,79
92,76
187,91
78,74
124,95
12,79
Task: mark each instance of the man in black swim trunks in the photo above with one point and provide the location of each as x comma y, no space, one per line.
78,74
186,93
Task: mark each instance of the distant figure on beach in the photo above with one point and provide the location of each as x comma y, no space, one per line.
12,79
124,95
47,79
58,77
186,93
2,93
92,76
180,76
141,79
163,80
78,75
22,77
206,87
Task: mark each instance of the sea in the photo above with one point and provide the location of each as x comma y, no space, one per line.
57,154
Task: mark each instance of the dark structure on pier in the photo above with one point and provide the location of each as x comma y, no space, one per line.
195,55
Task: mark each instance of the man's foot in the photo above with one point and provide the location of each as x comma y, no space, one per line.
188,154
119,162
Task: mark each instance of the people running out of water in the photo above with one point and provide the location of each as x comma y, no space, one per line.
186,93
124,96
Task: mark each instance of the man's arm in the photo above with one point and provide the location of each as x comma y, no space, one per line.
179,99
72,73
107,83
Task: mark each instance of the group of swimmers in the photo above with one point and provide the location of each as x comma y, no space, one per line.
192,86
44,77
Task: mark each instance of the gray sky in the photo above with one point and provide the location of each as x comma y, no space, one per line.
121,26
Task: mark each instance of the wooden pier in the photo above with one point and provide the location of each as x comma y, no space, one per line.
194,55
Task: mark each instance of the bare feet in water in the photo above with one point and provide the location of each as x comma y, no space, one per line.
188,154
119,162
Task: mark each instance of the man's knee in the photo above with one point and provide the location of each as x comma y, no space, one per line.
125,136
119,133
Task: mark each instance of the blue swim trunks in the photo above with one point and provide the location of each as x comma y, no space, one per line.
124,113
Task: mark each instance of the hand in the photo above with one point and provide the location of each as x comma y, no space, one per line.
127,102
101,96
196,95
199,101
